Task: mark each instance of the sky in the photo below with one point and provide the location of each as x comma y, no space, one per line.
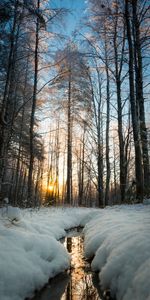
77,8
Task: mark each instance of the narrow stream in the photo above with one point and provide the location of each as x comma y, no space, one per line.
78,283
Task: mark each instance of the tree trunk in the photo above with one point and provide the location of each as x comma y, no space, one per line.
69,145
122,160
20,137
138,156
81,168
3,113
107,128
32,120
140,98
99,147
99,143
57,163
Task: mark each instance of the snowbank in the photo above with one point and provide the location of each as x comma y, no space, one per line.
30,253
119,240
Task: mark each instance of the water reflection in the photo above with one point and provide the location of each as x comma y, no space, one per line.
75,284
80,286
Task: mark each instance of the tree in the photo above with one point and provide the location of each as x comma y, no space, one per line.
138,61
34,100
138,156
77,100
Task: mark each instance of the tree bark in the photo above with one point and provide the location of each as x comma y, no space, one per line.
140,98
3,113
100,148
69,145
138,156
32,120
81,168
107,128
122,160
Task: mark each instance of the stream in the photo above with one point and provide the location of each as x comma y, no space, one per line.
79,282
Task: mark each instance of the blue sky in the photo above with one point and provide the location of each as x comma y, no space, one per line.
77,8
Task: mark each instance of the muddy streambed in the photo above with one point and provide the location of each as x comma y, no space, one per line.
79,282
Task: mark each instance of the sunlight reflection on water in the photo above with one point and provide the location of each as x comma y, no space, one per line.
75,284
80,286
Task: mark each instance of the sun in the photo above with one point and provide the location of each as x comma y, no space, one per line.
51,187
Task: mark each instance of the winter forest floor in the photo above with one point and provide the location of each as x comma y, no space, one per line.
117,238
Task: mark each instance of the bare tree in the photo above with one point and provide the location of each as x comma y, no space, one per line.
138,155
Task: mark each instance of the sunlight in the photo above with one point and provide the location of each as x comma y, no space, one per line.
51,187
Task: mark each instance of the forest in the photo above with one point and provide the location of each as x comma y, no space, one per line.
74,149
74,103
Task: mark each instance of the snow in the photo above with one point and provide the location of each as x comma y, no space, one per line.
30,253
13,213
146,201
117,238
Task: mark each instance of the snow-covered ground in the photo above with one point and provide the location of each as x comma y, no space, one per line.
117,237
29,251
119,240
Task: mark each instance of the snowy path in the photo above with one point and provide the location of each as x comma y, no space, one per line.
118,237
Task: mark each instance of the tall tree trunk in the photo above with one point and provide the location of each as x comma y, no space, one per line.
99,146
57,163
118,69
3,113
63,172
32,120
138,156
140,97
23,187
81,168
107,127
69,145
115,175
36,196
20,136
99,143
